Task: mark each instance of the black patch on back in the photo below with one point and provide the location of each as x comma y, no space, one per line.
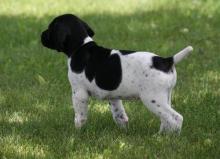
126,52
162,64
98,64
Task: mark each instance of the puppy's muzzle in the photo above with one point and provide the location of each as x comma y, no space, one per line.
45,38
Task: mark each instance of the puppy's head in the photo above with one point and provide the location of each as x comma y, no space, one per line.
66,33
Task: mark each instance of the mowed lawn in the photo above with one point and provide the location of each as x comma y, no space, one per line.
36,116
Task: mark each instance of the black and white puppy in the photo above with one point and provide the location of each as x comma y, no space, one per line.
114,74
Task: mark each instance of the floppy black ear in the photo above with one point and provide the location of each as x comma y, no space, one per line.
90,32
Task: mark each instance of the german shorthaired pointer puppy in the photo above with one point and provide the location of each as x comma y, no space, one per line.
114,74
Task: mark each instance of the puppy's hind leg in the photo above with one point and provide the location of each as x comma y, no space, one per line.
118,112
171,121
80,105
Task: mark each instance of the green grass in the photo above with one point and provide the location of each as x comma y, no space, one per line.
36,116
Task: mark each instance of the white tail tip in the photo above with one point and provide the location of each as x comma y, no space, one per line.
190,48
182,54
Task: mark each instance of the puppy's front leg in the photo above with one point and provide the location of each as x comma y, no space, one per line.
80,105
118,112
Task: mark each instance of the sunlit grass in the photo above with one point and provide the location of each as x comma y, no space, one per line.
40,8
19,148
36,116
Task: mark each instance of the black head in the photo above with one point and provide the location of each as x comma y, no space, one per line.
66,33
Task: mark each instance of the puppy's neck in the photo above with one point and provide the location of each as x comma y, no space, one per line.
87,40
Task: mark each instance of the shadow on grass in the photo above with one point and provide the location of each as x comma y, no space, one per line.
22,54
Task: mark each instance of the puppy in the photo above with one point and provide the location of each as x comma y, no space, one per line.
114,74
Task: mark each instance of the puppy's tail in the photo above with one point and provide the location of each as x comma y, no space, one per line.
166,64
182,54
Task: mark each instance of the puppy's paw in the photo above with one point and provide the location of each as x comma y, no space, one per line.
80,122
121,120
170,128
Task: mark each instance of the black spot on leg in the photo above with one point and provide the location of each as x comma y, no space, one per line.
81,114
146,75
89,93
121,116
116,109
153,101
83,102
158,105
118,116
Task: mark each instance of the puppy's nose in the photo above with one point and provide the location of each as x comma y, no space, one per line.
45,38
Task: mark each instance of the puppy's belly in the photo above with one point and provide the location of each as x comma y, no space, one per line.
110,96
120,93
